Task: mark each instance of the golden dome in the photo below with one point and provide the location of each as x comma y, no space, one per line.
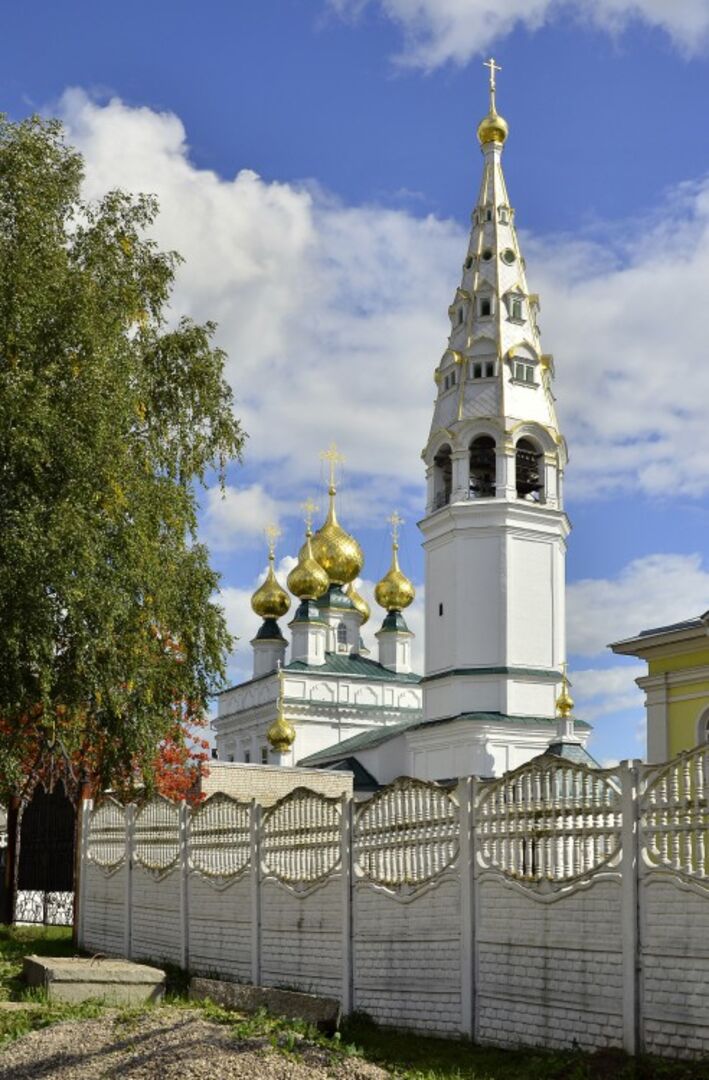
338,553
394,592
358,602
307,580
281,734
493,128
270,601
564,702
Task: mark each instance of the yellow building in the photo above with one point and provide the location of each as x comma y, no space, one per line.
676,685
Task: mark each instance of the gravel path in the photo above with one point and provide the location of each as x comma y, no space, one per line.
165,1044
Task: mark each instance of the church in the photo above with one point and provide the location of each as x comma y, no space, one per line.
494,691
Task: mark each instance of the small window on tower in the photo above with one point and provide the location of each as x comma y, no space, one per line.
524,372
460,316
247,756
264,755
489,369
341,634
504,216
487,255
440,609
488,215
516,308
485,307
468,262
477,371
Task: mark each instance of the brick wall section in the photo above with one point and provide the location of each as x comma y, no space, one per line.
407,956
219,928
301,938
674,954
549,973
155,917
269,783
105,916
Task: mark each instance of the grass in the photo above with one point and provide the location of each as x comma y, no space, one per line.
406,1056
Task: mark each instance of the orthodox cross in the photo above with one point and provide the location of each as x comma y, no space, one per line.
272,533
334,458
493,69
395,521
309,508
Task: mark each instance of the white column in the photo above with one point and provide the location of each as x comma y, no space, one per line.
460,479
506,473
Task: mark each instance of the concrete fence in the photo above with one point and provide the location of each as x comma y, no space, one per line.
557,905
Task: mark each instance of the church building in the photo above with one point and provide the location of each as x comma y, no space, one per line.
494,691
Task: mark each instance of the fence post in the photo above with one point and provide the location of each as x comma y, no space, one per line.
465,872
184,887
86,806
130,847
346,823
255,893
629,903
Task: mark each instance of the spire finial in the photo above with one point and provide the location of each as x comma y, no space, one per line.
564,702
494,68
272,533
334,458
309,509
395,521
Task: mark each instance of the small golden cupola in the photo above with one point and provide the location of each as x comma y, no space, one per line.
358,602
394,592
271,601
308,580
281,734
493,128
338,553
564,702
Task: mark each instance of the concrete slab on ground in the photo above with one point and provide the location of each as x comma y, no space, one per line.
75,979
322,1012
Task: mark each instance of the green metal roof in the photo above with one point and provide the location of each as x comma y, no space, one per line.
357,666
502,718
366,740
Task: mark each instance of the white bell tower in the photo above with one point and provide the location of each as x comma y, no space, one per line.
495,529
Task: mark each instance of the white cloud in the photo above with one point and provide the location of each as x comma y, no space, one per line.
604,691
237,516
652,591
438,31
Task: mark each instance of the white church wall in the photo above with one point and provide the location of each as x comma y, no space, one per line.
556,906
530,600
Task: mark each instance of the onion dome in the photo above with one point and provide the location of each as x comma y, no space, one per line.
270,601
338,553
394,592
494,128
307,580
358,602
281,734
564,702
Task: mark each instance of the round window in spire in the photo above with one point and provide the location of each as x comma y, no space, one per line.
508,256
487,255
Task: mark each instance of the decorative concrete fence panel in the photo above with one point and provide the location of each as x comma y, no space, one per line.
303,894
674,906
549,907
558,905
407,908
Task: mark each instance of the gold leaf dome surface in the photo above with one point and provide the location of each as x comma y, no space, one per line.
338,553
281,734
394,592
564,702
307,580
494,128
358,602
270,601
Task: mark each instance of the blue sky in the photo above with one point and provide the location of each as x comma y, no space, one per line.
316,163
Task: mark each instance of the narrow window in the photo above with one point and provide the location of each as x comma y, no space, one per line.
247,756
230,757
485,307
460,316
440,609
488,215
516,312
489,369
341,634
524,372
468,262
264,755
477,371
528,466
483,467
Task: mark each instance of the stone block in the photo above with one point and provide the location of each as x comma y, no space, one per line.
75,979
322,1012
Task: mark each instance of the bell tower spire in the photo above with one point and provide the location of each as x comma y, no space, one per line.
495,527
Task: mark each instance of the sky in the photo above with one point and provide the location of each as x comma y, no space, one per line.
316,164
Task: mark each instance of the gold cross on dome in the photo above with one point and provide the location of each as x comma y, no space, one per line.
334,458
272,533
493,69
309,509
395,521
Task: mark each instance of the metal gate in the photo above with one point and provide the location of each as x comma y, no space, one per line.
45,867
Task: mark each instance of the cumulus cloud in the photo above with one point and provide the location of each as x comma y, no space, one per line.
438,31
603,691
652,591
237,517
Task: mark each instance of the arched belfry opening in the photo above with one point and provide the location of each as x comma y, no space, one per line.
529,469
443,477
483,467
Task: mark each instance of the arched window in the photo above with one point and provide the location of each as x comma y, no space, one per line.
483,467
529,463
443,477
703,729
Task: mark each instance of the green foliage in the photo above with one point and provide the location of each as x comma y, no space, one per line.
109,418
